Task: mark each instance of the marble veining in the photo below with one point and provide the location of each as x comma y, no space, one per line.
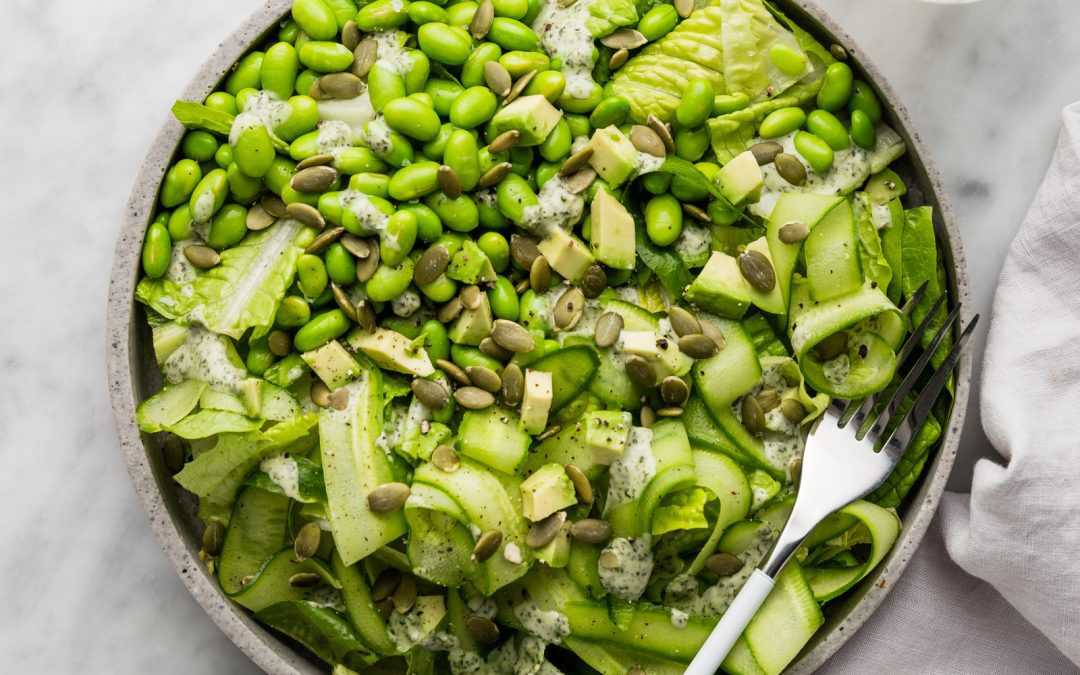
86,587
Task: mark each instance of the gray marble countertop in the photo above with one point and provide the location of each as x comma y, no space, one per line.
85,587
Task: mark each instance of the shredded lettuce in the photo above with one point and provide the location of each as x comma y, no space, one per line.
206,423
920,261
749,31
167,298
733,133
683,510
605,16
763,487
874,264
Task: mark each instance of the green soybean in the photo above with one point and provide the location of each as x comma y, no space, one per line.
815,151
556,147
421,12
414,181
548,83
417,72
315,18
243,95
490,216
513,9
340,264
788,59
827,127
320,330
436,341
390,281
442,93
199,145
445,43
412,118
397,242
465,356
512,35
571,104
863,98
289,31
223,101
331,208
293,312
259,357
326,57
782,122
663,219
344,11
656,183
280,173
291,195
423,98
157,251
836,87
521,160
227,227
863,131
613,110
503,300
722,212
352,223
725,104
385,84
686,191
209,195
311,276
692,144
401,151
473,107
533,311
242,187
279,69
496,249
517,63
303,118
441,290
224,156
428,225
246,74
254,151
179,182
460,214
515,199
304,81
374,184
696,104
658,22
180,223
382,15
579,124
461,13
472,72
351,161
462,154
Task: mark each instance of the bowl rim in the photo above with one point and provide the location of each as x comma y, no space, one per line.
123,359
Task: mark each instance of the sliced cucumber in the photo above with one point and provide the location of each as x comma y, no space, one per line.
806,208
674,471
256,532
833,268
169,406
566,447
361,609
723,477
650,630
703,431
493,436
271,584
739,537
571,368
785,623
883,525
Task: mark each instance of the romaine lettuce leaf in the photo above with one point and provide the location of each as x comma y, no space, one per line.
875,266
206,423
169,406
683,510
321,630
763,487
920,261
907,471
605,16
749,31
732,134
166,297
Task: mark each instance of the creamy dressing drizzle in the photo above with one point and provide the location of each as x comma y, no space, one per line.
629,580
284,473
367,215
695,240
180,270
391,51
782,438
406,304
203,357
564,35
376,134
557,208
717,598
549,626
632,472
333,136
262,108
836,370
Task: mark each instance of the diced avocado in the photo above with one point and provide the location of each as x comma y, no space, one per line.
773,301
429,611
885,187
557,552
168,337
494,437
333,364
606,433
741,179
533,116
469,265
612,232
614,157
391,350
473,325
277,403
720,287
212,399
566,254
546,491
536,403
661,352
251,395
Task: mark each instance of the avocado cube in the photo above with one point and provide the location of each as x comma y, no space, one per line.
546,491
772,301
720,287
662,352
612,232
469,265
333,364
429,611
536,402
391,350
473,325
533,116
606,434
614,157
566,254
741,180
557,551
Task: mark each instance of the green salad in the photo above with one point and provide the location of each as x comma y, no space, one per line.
491,333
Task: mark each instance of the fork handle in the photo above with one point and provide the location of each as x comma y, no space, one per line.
731,625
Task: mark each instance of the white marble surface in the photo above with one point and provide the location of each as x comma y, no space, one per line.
84,585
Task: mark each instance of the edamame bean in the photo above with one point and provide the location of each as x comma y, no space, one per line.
497,250
223,101
442,93
514,9
656,183
224,156
465,356
293,312
397,242
517,63
315,18
863,98
331,208
556,147
302,119
696,103
473,107
788,59
320,330
351,161
613,110
289,31
254,151
280,66
209,195
311,276
259,357
472,72
490,216
503,300
815,151
582,105
412,118
401,151
782,122
245,75
382,15
385,84
180,181
374,184
725,104
663,219
548,83
544,172
280,174
305,80
686,191
445,43
180,223
390,281
441,290
227,227
243,95
512,35
827,127
417,72
463,156
428,226
836,87
291,195
658,22
242,187
534,312
421,12
521,160
414,181
515,199
863,131
157,250
340,264
579,124
436,341
423,98
326,57
691,144
344,11
460,215
352,223
199,145
461,13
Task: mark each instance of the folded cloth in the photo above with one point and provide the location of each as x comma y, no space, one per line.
996,585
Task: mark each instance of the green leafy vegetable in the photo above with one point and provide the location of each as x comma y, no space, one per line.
323,631
683,510
166,297
205,423
732,134
605,16
875,266
920,262
748,32
309,481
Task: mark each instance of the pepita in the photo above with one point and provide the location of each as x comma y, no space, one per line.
172,450
569,308
790,169
385,584
795,471
521,286
450,310
201,256
640,371
358,246
319,393
495,175
618,59
303,579
325,238
258,218
579,181
793,410
321,159
647,140
723,564
697,213
449,181
341,85
563,4
594,282
314,179
497,78
715,334
794,232
519,86
492,349
350,35
430,393
338,399
683,322
504,141
387,498
548,432
671,411
684,8
454,372
697,346
765,152
757,270
513,384
768,399
523,250
591,531
306,214
484,630
674,391
576,161
487,545
485,378
404,596
543,532
364,57
838,52
273,205
663,131
540,275
647,416
365,315
582,486
473,398
431,265
213,538
512,336
482,19
608,328
753,417
307,541
446,458
832,346
624,38
472,297
386,608
638,670
279,343
610,560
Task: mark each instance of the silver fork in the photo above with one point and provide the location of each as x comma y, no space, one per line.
848,454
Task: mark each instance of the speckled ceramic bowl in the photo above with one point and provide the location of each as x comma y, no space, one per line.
133,374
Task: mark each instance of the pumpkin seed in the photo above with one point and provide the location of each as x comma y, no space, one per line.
497,78
544,531
793,410
430,393
505,141
608,328
319,393
697,213
385,584
404,597
486,545
723,564
387,498
519,86
307,541
358,246
766,152
753,417
454,372
316,92
341,85
790,169
513,384
350,35
663,131
172,449
563,4
832,346
685,8
549,432
201,256
576,161
213,538
670,411
485,378
594,282
273,205
582,486
838,52
618,59
647,140
569,308
715,334
258,218
302,579
757,270
450,311
315,160
523,250
471,297
484,630
683,322
640,371
624,38
386,608
279,342
610,560
495,175
591,531
648,416
521,286
540,275
365,315
306,214
482,19
579,181
248,578
314,179
338,399
638,670
768,399
674,391
794,232
512,336
431,265
697,346
449,181
364,57
795,471
492,349
473,398
324,239
446,458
